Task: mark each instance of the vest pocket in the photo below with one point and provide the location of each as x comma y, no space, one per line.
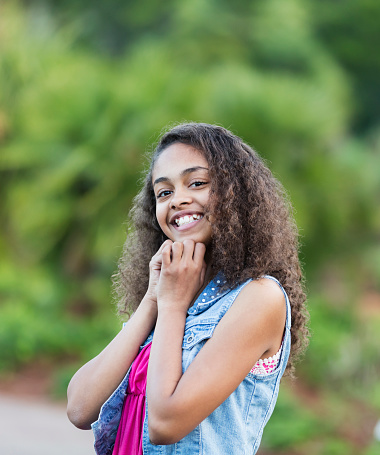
197,333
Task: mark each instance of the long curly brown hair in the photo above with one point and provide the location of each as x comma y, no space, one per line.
253,229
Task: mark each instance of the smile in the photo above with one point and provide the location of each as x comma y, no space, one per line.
187,219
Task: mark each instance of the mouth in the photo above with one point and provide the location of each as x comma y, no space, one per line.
186,219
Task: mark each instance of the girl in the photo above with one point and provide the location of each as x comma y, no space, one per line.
211,271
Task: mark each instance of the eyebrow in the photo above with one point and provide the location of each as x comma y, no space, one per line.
184,172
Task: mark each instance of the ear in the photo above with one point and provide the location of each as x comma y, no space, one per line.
210,219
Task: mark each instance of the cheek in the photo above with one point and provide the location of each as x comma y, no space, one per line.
160,217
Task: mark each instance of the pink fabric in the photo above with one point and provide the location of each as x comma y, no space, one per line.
129,434
267,365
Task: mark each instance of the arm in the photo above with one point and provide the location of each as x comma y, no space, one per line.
92,384
253,327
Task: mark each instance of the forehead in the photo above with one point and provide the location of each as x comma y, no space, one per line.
176,158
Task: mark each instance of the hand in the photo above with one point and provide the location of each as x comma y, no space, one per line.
154,271
182,274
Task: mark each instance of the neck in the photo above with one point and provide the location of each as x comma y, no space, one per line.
208,255
209,269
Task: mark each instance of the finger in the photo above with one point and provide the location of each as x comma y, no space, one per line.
166,255
188,250
157,258
199,253
167,242
177,251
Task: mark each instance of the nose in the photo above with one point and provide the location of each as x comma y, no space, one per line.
180,198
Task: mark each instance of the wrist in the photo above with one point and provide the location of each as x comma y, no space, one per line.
149,299
166,306
148,305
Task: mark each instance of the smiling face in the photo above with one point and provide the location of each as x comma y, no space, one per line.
181,184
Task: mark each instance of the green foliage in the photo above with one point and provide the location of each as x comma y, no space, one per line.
82,99
290,424
373,449
352,34
35,323
343,352
336,447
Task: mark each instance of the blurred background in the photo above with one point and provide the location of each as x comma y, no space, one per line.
86,88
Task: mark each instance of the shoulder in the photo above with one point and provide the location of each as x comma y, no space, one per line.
263,292
259,311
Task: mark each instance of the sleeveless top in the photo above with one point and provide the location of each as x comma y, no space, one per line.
246,410
129,434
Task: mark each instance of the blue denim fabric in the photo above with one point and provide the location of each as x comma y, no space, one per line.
236,426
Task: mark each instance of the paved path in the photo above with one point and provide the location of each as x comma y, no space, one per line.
31,427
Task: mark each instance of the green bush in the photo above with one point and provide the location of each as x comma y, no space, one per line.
291,424
75,124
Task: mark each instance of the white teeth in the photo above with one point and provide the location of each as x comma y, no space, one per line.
187,219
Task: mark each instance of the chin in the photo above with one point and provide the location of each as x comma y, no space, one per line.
197,237
206,242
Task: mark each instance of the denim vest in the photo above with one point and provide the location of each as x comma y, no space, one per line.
236,426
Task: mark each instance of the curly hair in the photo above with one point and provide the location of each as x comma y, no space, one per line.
253,229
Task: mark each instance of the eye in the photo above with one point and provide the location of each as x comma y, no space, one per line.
198,183
163,193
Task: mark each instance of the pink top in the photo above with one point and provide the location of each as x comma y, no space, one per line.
129,434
